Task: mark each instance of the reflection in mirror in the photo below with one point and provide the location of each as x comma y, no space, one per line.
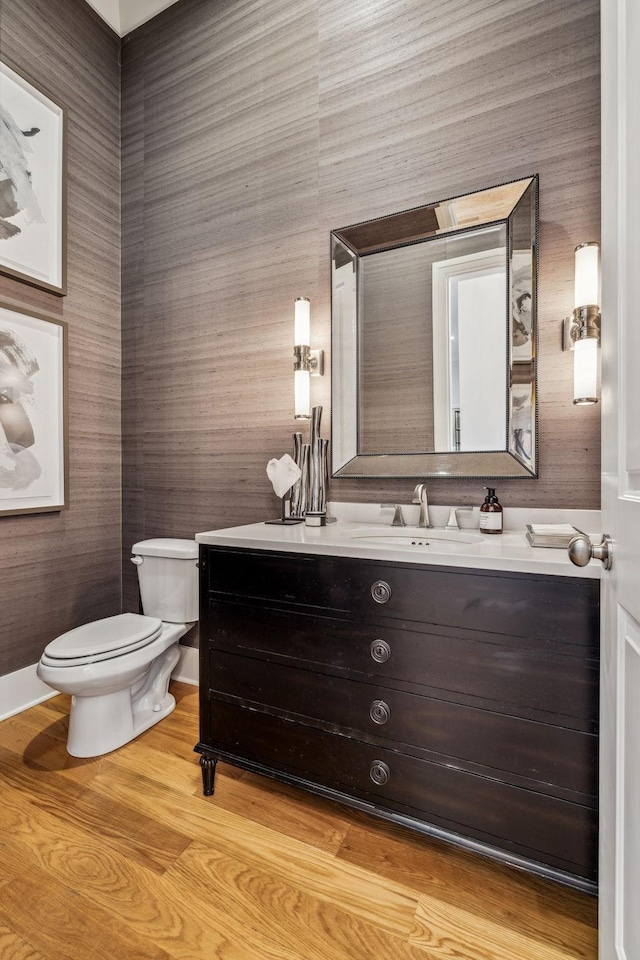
433,339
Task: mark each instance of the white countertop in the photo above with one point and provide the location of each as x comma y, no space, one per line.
509,551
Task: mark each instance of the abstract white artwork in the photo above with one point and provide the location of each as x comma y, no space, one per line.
521,305
522,422
32,412
32,183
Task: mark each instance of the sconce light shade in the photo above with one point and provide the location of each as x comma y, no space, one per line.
302,395
585,371
302,322
306,362
587,281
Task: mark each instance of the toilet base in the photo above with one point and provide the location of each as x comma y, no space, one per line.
101,724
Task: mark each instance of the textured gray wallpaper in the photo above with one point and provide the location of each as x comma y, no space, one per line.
61,569
250,130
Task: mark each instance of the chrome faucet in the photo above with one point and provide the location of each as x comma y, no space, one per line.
420,496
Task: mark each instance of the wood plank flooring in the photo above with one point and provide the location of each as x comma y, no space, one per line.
122,857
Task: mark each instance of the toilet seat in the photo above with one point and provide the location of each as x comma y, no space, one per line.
102,640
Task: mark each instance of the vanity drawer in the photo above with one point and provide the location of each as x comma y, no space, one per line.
519,820
551,608
535,679
513,746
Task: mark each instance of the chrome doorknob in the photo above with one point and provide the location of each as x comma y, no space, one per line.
581,550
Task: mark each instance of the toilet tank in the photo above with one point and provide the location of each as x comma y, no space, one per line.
168,578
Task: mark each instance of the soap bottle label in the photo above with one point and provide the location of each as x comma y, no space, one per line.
491,521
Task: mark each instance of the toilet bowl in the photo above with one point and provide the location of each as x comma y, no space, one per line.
117,669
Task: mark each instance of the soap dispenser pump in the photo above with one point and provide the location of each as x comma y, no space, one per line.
491,513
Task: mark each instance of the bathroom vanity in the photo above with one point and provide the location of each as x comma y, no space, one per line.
454,690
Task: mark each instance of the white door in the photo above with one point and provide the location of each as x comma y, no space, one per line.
468,327
620,679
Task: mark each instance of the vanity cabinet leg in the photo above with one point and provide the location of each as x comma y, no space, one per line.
208,767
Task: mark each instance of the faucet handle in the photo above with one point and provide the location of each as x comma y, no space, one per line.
398,519
452,522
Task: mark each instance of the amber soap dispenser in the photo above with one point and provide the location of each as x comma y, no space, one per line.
491,513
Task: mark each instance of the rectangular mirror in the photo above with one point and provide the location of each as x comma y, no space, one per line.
433,334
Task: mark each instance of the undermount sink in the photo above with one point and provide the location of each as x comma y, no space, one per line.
414,537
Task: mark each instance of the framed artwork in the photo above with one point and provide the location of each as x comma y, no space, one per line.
32,183
33,412
522,305
521,422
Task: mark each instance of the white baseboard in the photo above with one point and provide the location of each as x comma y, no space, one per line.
187,668
22,689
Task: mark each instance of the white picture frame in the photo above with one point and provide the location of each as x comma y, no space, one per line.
33,412
32,183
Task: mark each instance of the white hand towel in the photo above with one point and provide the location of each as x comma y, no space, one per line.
283,473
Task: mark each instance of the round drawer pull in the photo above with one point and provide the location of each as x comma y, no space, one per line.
379,772
380,591
380,651
380,711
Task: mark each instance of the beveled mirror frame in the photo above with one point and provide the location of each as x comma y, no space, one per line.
516,205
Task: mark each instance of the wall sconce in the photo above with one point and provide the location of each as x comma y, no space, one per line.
581,331
306,362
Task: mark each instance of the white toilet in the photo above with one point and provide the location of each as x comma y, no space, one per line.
117,670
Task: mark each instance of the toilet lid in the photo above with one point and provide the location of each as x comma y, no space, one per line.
111,635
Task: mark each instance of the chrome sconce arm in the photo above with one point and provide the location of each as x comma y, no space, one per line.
304,358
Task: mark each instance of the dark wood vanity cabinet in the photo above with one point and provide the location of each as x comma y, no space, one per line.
463,703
